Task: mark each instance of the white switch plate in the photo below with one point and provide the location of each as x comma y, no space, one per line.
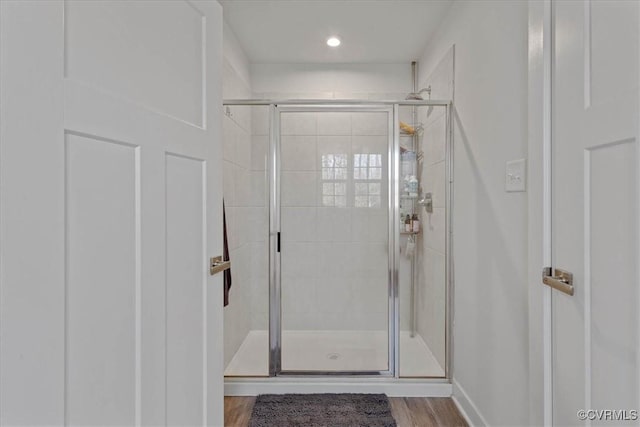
515,177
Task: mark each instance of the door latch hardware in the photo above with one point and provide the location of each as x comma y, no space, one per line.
216,265
560,279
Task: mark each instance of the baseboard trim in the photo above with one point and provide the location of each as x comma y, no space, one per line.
467,408
390,387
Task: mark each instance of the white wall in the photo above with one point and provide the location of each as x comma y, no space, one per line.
319,81
535,212
235,56
490,335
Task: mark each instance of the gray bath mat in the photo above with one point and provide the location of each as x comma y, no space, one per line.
326,410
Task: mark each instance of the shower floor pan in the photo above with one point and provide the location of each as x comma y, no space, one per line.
333,351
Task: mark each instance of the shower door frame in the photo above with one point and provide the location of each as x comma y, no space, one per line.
273,171
275,278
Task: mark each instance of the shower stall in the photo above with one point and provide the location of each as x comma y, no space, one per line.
340,234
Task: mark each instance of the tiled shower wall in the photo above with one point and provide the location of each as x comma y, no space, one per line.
237,197
334,220
259,220
431,248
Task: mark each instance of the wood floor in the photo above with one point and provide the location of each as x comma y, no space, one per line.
408,411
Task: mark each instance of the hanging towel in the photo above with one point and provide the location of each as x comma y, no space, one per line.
225,256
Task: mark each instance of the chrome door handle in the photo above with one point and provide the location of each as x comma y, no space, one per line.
216,265
560,279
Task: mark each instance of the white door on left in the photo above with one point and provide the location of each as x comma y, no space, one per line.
110,207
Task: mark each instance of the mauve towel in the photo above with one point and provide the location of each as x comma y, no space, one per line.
225,257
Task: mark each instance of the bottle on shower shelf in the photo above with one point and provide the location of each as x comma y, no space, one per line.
413,186
408,164
415,223
405,184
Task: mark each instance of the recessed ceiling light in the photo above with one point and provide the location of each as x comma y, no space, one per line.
333,41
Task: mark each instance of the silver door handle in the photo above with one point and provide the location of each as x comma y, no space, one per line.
216,265
560,279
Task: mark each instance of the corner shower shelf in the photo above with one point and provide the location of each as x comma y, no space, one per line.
418,128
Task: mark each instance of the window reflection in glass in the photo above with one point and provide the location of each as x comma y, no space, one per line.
367,168
334,177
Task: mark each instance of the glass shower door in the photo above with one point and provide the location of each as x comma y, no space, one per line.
335,301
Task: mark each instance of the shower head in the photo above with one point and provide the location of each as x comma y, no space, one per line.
414,97
417,96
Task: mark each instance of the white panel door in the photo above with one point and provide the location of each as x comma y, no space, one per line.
110,208
595,211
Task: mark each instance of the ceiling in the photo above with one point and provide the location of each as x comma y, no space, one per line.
295,31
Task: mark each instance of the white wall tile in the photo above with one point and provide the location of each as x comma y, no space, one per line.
243,149
334,224
293,321
360,225
404,285
260,261
434,229
233,239
374,123
334,298
298,188
245,232
439,195
378,223
334,123
336,261
258,224
434,141
298,123
241,115
259,189
260,120
299,295
299,224
332,145
377,260
371,144
434,183
373,321
432,304
228,140
260,321
370,296
298,153
360,259
259,152
228,183
299,259
243,186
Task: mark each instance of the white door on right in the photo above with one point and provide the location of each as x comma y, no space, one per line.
595,212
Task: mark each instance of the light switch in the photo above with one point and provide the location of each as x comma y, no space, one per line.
515,176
